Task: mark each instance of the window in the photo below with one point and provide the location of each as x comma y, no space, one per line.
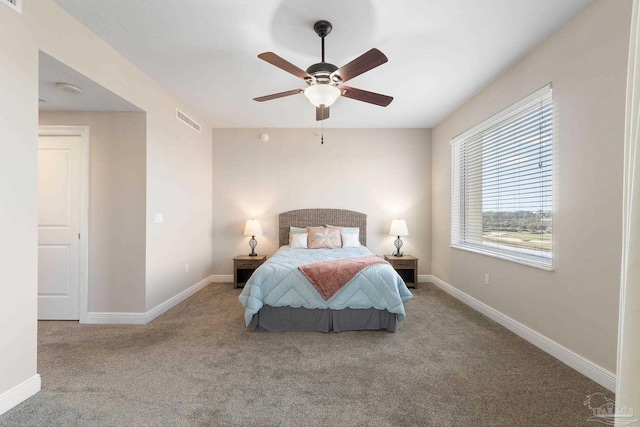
501,201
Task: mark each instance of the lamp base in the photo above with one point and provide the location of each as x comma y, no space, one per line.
398,244
253,243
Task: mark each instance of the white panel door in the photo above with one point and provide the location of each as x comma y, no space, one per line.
59,227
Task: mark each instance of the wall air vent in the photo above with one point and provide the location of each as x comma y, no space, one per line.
13,4
188,120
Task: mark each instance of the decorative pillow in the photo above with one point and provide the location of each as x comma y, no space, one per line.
298,241
350,240
321,237
296,230
349,233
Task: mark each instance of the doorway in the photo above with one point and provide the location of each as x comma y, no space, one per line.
63,176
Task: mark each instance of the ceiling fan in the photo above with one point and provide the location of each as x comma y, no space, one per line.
325,80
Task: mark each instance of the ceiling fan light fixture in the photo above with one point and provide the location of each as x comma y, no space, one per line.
322,94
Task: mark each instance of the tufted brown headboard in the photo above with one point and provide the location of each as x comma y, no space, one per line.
317,217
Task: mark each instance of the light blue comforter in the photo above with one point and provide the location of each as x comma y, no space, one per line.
278,282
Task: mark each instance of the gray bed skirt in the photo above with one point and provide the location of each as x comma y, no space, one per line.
280,319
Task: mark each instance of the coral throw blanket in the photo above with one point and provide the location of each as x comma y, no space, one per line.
330,276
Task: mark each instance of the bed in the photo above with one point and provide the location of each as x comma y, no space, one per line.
279,296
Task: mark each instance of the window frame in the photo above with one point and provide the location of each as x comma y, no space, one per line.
472,241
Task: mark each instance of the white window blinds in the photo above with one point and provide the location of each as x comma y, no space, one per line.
502,183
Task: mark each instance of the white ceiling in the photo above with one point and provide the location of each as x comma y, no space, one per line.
441,52
93,97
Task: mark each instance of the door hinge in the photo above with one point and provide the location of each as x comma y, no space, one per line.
78,236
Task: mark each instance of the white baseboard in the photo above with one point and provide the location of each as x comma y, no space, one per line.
19,393
424,278
173,301
101,318
222,278
106,318
586,367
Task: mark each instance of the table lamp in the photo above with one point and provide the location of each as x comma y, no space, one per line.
253,229
398,228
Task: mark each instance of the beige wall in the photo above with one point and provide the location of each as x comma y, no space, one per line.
117,207
628,386
18,202
178,172
577,304
179,185
384,173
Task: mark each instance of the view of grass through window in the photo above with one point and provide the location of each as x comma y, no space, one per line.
519,229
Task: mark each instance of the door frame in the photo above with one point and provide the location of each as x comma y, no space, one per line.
83,133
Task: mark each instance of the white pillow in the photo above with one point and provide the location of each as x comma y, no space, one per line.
298,241
350,240
350,230
295,230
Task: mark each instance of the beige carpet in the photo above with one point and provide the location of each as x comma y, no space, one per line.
197,365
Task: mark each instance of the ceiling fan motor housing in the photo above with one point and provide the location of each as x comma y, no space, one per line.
322,73
322,28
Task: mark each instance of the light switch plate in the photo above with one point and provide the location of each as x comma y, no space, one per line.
159,217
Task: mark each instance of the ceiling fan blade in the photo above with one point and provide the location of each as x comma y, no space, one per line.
362,64
283,64
322,113
278,95
366,96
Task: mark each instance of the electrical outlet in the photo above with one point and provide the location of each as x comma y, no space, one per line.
486,279
159,217
186,268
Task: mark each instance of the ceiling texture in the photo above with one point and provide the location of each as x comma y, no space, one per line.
441,52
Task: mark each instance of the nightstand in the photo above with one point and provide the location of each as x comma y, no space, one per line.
244,266
407,268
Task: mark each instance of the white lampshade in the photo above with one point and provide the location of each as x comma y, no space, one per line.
322,94
252,228
398,228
